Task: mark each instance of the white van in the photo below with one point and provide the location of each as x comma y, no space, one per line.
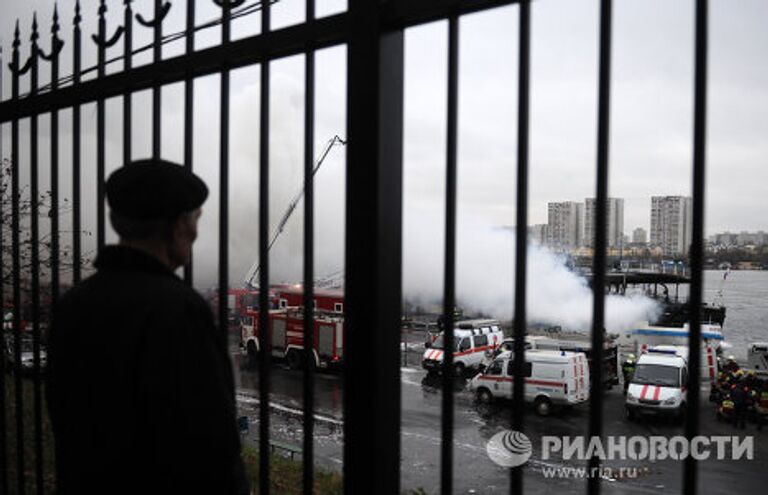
551,378
708,362
757,357
471,339
659,385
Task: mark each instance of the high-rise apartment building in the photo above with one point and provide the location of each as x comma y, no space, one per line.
639,236
565,224
614,227
671,223
538,233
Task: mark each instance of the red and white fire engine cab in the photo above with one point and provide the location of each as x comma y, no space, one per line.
286,337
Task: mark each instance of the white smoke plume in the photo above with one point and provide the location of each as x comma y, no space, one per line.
485,278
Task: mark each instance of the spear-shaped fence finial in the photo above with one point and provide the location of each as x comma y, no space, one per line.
35,35
55,27
16,36
14,65
56,43
78,18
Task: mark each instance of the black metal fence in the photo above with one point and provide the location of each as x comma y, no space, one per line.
373,34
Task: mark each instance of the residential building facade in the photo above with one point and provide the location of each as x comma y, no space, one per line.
639,236
671,224
565,225
615,225
538,233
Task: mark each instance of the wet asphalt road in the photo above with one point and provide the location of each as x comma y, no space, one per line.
474,472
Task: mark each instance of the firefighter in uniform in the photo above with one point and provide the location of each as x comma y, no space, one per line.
628,370
140,390
725,409
731,365
722,386
761,406
741,402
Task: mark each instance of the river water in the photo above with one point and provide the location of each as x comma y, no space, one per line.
745,296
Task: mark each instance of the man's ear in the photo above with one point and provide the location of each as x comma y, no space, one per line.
176,227
184,224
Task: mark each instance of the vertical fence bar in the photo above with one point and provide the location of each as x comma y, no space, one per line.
76,223
449,282
34,266
157,55
309,262
3,403
16,251
100,132
55,241
128,96
189,103
521,238
224,185
373,253
600,222
265,348
55,262
690,481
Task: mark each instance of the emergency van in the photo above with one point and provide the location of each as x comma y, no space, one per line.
757,357
571,342
552,378
471,340
659,385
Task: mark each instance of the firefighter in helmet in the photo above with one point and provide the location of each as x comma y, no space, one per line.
761,406
731,365
628,370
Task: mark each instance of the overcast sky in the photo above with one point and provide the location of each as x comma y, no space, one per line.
651,118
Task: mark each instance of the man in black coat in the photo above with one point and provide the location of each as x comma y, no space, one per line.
141,391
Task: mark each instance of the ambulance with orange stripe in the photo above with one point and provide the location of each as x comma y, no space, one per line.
552,378
472,339
659,385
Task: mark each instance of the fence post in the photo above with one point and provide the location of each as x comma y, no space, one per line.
373,272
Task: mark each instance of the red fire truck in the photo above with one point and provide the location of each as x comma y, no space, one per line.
286,337
240,300
324,300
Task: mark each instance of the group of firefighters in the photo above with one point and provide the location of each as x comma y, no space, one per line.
739,394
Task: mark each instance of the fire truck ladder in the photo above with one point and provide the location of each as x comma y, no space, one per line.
333,281
253,271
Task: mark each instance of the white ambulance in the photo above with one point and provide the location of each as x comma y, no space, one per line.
757,357
659,385
552,378
471,339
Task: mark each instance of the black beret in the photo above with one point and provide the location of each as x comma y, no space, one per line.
154,189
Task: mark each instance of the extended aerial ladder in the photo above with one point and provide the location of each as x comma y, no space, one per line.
253,271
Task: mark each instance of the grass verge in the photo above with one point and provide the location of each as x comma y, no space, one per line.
285,475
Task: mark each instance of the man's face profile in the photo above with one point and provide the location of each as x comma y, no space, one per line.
183,236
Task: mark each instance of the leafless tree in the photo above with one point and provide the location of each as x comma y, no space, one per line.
26,204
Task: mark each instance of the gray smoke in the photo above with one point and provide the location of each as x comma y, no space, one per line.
485,277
